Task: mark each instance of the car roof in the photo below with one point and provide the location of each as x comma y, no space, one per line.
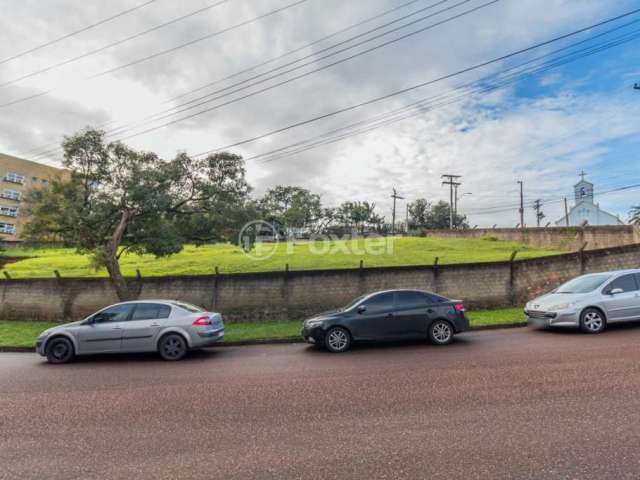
614,272
403,290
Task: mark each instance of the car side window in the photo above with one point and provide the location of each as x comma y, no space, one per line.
379,303
412,299
117,313
150,311
626,282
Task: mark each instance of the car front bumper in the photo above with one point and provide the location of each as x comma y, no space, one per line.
40,346
313,335
553,319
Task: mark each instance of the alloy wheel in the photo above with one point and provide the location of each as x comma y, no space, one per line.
441,333
338,340
593,321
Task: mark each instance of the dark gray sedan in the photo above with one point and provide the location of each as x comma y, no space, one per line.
388,315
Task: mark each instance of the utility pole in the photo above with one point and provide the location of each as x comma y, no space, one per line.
566,211
395,197
521,203
407,218
452,183
537,205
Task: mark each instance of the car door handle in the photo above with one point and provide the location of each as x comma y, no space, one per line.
389,315
116,328
429,310
155,324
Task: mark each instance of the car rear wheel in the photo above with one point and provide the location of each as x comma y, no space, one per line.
60,350
441,332
337,340
592,321
172,347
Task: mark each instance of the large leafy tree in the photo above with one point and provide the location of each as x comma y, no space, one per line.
119,200
291,207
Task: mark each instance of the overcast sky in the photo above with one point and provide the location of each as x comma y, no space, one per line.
543,129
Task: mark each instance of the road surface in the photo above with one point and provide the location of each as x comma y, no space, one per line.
514,404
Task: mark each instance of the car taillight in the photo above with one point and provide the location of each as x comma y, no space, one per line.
459,307
203,321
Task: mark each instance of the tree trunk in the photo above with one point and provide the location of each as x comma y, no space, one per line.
111,259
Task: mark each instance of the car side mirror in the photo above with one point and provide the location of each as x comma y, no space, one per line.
616,291
362,308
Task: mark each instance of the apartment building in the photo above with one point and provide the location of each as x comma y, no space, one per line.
18,176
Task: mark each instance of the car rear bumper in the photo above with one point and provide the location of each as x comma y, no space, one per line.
208,338
461,323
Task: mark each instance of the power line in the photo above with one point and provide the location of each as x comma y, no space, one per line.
83,29
177,109
164,52
47,149
391,117
417,86
113,44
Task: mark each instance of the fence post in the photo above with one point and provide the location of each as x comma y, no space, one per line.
139,282
57,274
6,274
512,278
583,258
436,275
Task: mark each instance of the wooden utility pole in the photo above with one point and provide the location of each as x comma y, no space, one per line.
566,212
452,183
521,203
395,197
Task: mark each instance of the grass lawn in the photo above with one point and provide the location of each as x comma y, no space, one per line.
299,255
23,334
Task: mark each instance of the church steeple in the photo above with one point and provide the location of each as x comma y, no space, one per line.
583,190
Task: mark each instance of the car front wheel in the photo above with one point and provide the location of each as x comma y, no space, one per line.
60,350
592,321
172,347
337,340
441,332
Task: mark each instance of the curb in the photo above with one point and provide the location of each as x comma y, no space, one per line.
281,341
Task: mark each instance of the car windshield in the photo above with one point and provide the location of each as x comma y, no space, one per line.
585,284
353,303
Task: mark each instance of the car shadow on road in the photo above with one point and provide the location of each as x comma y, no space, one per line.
394,345
146,357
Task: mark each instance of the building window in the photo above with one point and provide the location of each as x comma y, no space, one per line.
34,179
14,178
45,181
10,194
7,228
9,211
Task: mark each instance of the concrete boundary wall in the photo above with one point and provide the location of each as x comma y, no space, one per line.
296,294
559,238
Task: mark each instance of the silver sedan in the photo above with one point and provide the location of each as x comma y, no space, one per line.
589,302
167,327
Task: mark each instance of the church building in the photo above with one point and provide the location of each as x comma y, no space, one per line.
586,210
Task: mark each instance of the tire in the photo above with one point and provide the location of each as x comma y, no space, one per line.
172,347
440,332
337,340
60,350
592,321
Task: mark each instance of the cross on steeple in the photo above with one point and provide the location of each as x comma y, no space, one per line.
583,174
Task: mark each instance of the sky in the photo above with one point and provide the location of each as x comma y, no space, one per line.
541,127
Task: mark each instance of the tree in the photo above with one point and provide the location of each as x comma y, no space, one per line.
291,207
121,200
635,215
423,214
439,217
419,212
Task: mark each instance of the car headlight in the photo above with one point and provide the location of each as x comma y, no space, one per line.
561,306
45,334
314,323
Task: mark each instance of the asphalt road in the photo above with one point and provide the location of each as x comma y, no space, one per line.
514,404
